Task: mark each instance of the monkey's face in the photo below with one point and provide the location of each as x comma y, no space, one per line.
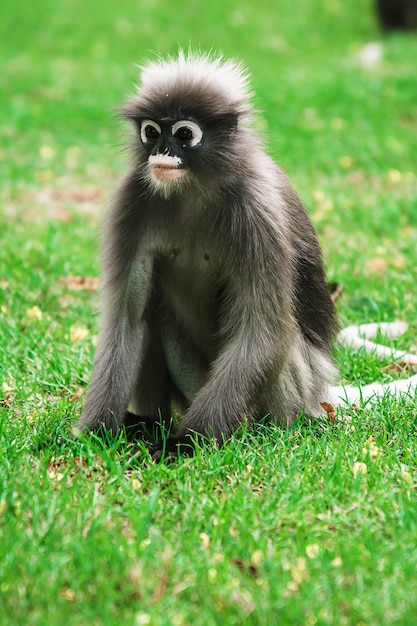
168,145
186,146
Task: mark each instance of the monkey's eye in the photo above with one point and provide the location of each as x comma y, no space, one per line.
149,131
184,133
188,132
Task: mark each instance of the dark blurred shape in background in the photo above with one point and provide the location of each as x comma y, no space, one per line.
397,14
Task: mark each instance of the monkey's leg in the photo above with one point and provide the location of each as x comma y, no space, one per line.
187,371
150,405
299,385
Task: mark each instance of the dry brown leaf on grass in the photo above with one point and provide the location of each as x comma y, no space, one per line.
400,367
78,394
85,194
78,333
61,214
79,283
378,265
68,594
330,410
58,469
6,402
161,586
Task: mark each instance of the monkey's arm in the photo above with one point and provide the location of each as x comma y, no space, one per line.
257,328
126,285
224,403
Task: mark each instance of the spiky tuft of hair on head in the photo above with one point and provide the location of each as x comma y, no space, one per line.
227,77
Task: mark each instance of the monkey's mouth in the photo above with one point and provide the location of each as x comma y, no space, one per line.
166,168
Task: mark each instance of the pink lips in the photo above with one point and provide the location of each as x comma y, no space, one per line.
166,168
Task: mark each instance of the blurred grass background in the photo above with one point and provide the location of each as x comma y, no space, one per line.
341,118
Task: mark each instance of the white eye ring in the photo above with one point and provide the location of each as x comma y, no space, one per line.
144,125
196,132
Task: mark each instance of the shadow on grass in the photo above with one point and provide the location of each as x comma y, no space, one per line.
137,440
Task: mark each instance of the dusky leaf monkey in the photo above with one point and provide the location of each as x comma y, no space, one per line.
214,296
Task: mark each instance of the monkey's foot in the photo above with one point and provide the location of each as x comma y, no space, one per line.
143,428
172,448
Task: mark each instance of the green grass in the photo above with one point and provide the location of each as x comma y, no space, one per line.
277,527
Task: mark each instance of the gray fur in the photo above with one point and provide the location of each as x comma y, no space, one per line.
213,290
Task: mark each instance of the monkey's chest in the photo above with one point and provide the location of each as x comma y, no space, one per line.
189,287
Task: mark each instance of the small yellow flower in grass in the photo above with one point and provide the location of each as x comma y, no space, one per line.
312,550
205,540
34,313
398,263
324,205
318,195
72,157
346,162
359,468
44,176
337,562
374,452
405,473
299,570
78,334
136,484
256,558
394,176
142,619
47,152
371,449
299,573
327,206
212,574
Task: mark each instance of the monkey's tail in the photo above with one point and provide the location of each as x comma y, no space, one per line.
359,337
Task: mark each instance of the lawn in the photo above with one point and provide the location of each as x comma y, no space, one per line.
313,525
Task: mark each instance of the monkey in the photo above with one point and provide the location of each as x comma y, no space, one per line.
397,14
214,296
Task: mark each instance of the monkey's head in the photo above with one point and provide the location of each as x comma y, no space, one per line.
189,114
